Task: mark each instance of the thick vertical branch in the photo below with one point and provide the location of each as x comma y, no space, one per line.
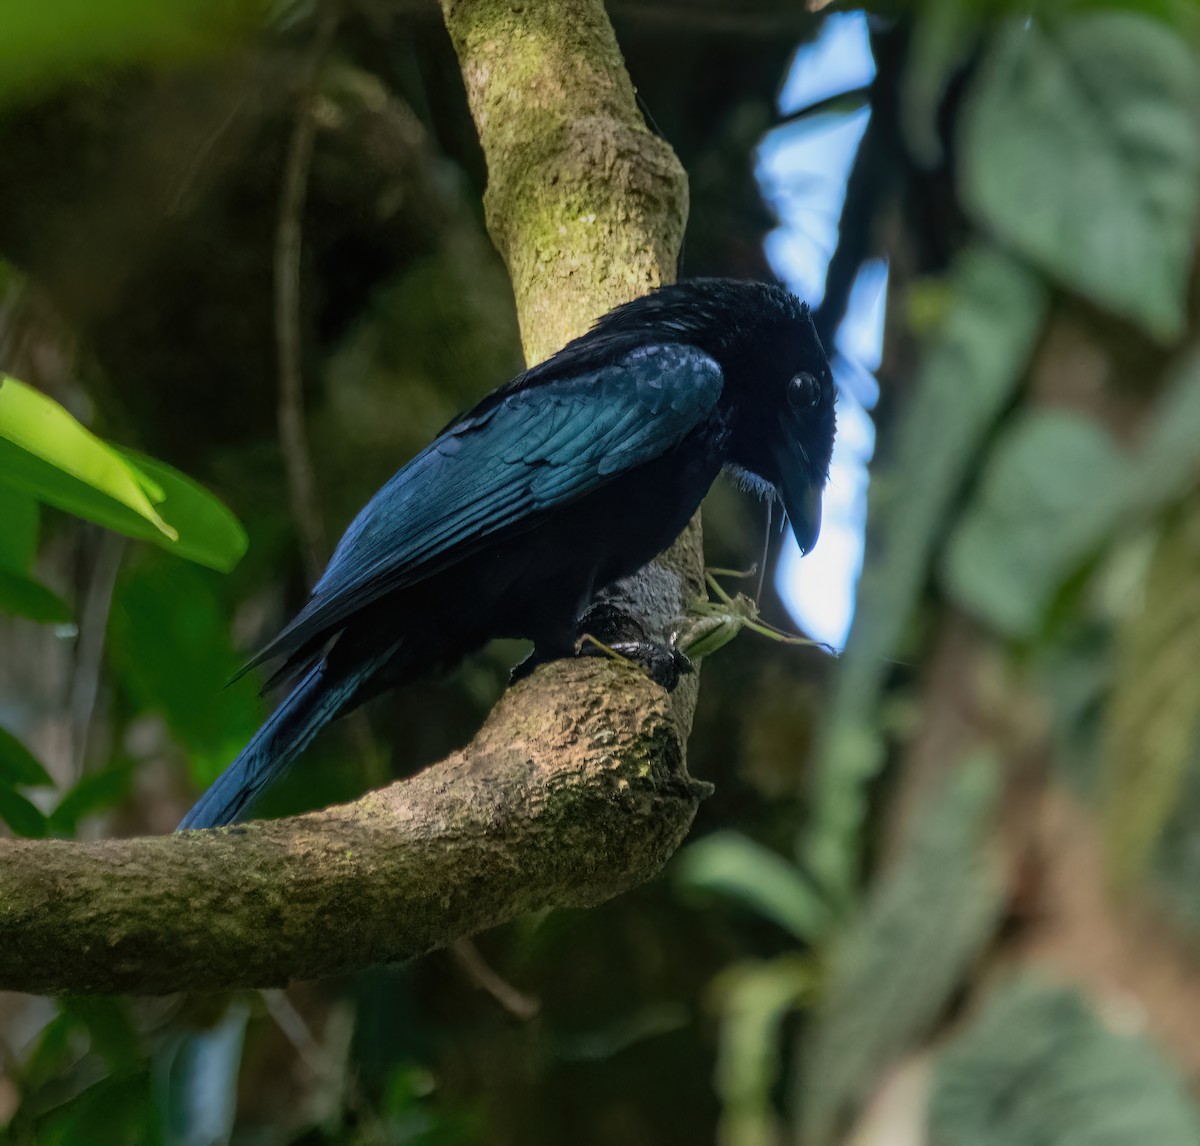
575,789
584,203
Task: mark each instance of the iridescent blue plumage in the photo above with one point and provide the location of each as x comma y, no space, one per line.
571,476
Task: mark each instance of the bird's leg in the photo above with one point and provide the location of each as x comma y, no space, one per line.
606,630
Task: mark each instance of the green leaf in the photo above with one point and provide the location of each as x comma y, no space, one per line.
110,1027
24,597
18,766
966,380
23,817
42,44
116,1111
1039,1068
896,968
733,865
1055,488
169,643
96,792
209,534
1055,484
46,453
1080,148
752,1000
18,530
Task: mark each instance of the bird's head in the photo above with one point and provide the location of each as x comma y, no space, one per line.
778,393
782,394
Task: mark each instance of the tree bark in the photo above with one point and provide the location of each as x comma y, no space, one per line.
576,787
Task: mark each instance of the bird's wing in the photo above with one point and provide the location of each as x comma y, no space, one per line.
535,450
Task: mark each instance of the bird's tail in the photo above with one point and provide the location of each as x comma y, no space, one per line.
314,701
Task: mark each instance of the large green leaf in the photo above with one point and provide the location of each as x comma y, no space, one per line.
18,530
95,792
24,817
47,454
733,865
894,970
1039,1068
1080,148
20,593
25,597
19,766
1055,488
169,644
208,532
1055,484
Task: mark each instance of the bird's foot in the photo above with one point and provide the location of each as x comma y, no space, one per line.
661,663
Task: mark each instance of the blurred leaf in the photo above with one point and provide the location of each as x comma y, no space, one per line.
96,792
53,1050
732,865
1038,1068
18,536
18,766
752,1000
894,970
46,453
196,1079
41,44
23,817
110,1028
1055,487
623,1032
412,1116
1080,147
117,1111
24,597
208,532
169,643
967,378
1153,716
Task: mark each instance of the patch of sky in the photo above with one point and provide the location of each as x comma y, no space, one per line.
802,169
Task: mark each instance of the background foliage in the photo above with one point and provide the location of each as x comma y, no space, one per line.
945,892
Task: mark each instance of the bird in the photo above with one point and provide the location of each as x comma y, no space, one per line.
557,484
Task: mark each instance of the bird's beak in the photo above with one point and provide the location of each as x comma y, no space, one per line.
802,503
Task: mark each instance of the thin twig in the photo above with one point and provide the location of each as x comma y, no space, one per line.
89,650
292,437
475,967
293,1027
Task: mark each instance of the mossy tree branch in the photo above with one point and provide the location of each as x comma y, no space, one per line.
575,789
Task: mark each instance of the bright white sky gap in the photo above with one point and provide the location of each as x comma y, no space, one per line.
802,169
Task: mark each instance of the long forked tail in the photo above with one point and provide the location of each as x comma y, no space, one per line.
313,702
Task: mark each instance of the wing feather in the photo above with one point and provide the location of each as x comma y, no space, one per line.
539,448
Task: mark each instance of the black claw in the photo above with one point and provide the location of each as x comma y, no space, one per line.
661,663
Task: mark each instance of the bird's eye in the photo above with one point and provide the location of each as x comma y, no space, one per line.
804,391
